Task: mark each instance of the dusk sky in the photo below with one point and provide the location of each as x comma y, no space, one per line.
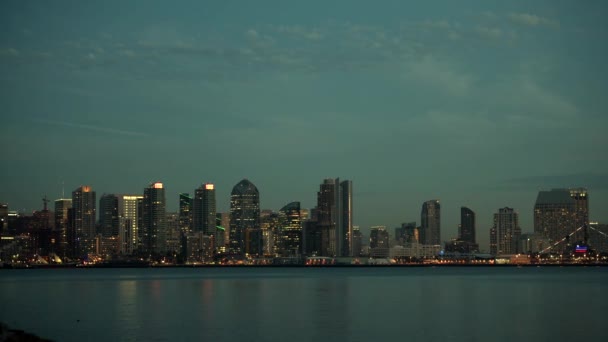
474,103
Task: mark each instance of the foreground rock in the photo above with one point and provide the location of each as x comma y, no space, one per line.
14,335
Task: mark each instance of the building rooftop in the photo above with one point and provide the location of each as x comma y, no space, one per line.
555,196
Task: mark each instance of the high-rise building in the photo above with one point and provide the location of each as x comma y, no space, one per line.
559,212
379,242
245,230
83,204
203,210
185,212
290,230
346,224
430,218
335,210
506,230
130,218
356,241
153,234
3,218
61,222
467,225
108,215
223,229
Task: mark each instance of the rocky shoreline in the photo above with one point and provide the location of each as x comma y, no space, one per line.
15,335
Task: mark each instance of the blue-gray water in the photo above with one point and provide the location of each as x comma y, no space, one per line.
308,304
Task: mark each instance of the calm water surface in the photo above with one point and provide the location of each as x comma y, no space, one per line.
308,304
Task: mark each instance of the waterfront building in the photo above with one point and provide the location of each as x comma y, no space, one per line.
245,231
83,204
204,210
507,231
108,215
466,231
62,206
559,212
153,234
430,218
185,212
290,230
130,216
335,210
533,243
378,242
357,237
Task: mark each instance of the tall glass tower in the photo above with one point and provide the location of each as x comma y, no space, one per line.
430,218
203,210
154,219
245,230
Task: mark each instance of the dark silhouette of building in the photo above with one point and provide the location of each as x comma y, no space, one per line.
204,210
108,215
467,225
154,216
430,218
245,230
379,242
335,210
185,212
83,203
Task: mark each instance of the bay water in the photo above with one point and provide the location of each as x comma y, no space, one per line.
309,304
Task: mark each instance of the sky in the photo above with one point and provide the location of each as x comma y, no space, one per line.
475,103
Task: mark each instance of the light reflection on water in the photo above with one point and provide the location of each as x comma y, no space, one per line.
472,304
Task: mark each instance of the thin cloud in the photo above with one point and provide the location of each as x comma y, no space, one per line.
91,128
532,20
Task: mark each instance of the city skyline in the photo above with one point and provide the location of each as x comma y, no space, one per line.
478,235
477,104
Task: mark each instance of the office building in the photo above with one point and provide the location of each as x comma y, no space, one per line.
560,212
379,242
290,230
506,231
83,204
153,234
430,218
108,215
62,206
130,217
245,231
204,210
466,231
185,212
335,212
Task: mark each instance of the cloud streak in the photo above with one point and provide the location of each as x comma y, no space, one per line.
95,128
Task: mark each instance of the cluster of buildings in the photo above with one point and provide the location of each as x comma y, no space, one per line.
139,226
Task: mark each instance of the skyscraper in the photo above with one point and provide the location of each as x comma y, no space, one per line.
506,230
335,210
185,212
83,204
559,212
245,232
290,234
430,218
379,242
346,224
130,218
108,215
154,219
203,210
62,206
467,225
